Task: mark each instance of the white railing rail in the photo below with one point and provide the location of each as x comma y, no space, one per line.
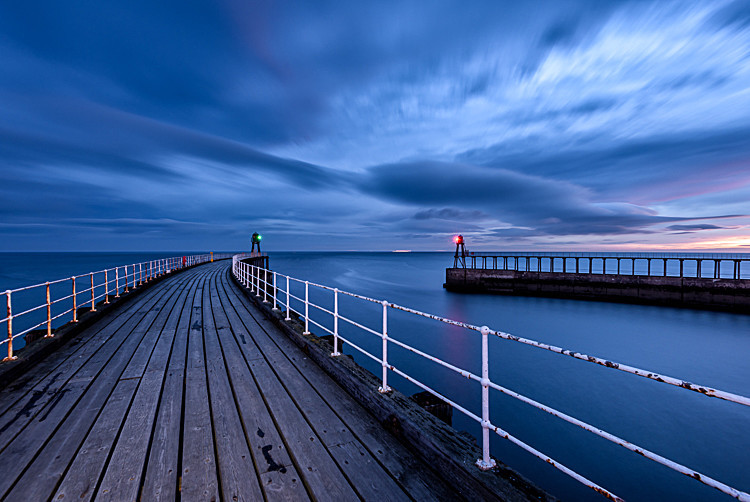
257,280
101,284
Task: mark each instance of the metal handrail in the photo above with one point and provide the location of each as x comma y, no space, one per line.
101,282
255,277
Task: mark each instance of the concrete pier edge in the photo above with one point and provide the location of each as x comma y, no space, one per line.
729,295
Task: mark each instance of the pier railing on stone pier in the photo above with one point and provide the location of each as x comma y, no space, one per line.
50,303
698,265
276,289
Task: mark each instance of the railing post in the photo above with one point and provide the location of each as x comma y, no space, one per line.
485,463
10,327
93,305
140,274
117,282
106,287
75,307
287,300
49,314
274,292
335,323
257,282
384,389
265,285
307,308
126,278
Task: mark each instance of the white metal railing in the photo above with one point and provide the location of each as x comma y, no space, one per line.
101,284
264,282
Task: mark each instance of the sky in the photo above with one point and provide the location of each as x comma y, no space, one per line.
576,125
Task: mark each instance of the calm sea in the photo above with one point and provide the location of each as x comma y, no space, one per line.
709,348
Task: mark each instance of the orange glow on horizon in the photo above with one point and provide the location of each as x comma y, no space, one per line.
737,243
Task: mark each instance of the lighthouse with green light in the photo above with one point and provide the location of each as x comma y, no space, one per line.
255,239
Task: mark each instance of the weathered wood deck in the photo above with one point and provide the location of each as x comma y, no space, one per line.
186,391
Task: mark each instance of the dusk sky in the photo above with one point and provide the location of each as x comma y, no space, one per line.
589,125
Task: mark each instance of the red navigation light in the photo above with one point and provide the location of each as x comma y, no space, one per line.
459,239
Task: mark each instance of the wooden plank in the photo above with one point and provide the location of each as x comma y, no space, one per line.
122,479
83,475
199,477
320,473
31,403
238,475
279,477
367,476
72,352
163,466
69,419
411,473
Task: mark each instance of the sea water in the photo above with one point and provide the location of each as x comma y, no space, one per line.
708,348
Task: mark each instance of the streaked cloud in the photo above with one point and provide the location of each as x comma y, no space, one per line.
585,124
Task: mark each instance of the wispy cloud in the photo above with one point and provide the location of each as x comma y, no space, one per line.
547,125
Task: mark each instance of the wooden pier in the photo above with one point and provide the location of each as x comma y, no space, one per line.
187,392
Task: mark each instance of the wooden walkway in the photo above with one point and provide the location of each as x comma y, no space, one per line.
187,392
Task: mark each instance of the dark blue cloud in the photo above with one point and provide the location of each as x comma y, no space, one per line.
502,120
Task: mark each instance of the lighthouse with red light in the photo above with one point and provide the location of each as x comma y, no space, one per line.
459,257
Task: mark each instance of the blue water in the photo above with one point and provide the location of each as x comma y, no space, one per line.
710,348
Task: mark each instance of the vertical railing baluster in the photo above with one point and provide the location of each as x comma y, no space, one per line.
265,285
126,278
9,311
106,287
49,313
274,292
93,298
335,323
117,282
485,463
75,306
253,287
383,389
307,308
257,281
288,310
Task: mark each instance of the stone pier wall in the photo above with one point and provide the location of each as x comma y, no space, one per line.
720,294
